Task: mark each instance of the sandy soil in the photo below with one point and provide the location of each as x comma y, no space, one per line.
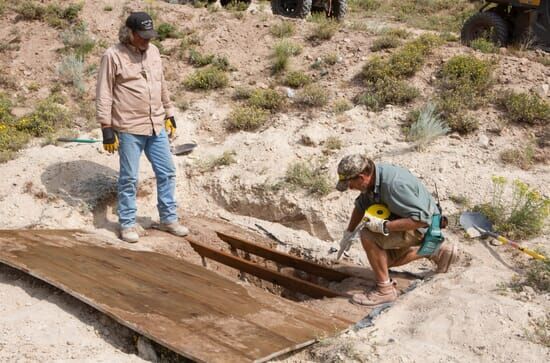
464,315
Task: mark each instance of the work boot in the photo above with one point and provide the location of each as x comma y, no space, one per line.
174,228
129,234
384,292
445,256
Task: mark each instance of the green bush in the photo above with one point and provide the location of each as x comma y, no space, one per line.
71,71
333,143
341,106
200,60
521,157
304,175
48,117
538,277
226,159
468,77
77,39
166,30
386,91
312,95
5,109
525,108
408,60
282,30
521,217
483,45
243,93
464,84
366,5
427,127
385,42
297,79
282,51
268,99
247,118
324,28
53,14
206,78
395,32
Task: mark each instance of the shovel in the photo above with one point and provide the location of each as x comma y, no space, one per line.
184,149
79,140
477,225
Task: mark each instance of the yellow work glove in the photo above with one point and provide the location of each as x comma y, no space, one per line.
170,126
110,139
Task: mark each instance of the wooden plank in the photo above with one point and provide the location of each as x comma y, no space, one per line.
183,306
275,277
284,258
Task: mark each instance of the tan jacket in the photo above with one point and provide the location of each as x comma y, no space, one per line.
131,93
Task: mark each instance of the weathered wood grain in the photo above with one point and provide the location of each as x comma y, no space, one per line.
185,307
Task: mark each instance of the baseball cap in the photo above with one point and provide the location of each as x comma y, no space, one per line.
348,168
141,23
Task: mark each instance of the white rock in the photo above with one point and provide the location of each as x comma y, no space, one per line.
542,90
483,141
145,350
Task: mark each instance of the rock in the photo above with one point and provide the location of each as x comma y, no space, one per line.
290,93
145,350
542,90
314,135
483,141
529,290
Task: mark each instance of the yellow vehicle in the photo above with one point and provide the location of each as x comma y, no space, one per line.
502,21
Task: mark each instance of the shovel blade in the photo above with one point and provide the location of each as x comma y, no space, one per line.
475,224
184,149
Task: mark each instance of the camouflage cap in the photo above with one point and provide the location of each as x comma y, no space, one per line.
348,168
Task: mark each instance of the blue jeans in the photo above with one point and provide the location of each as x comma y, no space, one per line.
157,150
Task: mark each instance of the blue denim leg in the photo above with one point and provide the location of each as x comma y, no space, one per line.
157,150
130,150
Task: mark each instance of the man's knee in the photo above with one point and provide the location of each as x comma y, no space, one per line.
366,239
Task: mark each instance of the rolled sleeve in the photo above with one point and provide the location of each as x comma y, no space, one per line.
104,90
408,202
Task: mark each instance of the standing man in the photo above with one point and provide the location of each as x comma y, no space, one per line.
396,241
136,115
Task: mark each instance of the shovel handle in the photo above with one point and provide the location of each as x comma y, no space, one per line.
527,251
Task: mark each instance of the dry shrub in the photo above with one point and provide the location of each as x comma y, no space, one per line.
247,118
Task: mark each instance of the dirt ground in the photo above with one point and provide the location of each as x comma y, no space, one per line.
467,314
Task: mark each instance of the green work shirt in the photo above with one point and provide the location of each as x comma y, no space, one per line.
401,192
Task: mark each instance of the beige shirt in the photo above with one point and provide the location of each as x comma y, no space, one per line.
131,93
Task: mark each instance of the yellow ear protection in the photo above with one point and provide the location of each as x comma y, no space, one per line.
378,211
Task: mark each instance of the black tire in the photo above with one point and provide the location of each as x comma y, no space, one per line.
339,9
487,25
291,8
542,25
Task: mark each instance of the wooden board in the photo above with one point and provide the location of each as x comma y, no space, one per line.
193,311
283,258
266,274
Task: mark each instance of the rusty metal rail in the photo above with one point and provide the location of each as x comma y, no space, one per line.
275,277
283,258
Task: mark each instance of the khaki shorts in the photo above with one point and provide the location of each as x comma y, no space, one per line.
397,244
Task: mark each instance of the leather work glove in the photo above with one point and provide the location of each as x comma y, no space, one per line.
377,225
110,140
346,241
170,126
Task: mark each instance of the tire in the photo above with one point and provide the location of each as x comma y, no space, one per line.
541,27
487,25
339,9
291,8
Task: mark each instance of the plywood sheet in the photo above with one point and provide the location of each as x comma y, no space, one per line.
185,307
